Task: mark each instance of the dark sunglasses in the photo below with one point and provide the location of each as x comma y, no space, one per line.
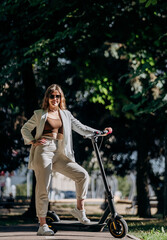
54,96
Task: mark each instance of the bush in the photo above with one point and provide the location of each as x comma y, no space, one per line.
123,186
21,190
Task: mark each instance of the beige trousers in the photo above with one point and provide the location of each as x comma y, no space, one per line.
50,157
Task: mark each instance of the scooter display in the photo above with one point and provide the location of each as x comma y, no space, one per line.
116,224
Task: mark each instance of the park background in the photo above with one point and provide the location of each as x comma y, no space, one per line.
110,58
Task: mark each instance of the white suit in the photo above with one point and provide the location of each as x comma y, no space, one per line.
55,155
69,123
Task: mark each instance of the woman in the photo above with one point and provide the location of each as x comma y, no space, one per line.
52,150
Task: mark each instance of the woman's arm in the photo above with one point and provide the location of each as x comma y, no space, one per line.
27,129
80,128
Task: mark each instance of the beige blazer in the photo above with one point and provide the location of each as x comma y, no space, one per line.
69,123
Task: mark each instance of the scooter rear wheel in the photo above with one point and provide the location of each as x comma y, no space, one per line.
52,217
118,227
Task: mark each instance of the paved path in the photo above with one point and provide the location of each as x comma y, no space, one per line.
28,232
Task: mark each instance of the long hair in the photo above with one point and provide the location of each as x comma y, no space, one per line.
49,91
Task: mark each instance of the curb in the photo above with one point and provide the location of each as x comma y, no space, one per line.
132,237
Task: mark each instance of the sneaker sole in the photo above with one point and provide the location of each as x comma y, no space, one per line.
40,234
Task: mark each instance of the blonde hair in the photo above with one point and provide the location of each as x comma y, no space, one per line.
49,91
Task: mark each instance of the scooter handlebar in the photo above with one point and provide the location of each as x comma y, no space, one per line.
99,133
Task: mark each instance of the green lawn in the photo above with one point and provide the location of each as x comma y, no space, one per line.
155,229
16,220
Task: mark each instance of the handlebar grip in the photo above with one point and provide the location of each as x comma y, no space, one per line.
108,132
103,132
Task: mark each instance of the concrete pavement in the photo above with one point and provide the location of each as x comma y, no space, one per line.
28,232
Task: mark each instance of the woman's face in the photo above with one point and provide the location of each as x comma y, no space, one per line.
54,99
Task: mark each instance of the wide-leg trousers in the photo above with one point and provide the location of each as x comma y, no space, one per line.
50,158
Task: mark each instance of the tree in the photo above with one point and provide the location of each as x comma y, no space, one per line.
92,49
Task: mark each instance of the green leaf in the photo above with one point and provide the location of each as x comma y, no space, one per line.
154,2
136,95
128,107
164,35
142,1
148,3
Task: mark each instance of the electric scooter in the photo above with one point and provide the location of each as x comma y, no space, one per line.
116,224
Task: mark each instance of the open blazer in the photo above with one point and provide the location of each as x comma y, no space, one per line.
69,123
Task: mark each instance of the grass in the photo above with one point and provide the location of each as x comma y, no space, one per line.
153,235
154,229
16,220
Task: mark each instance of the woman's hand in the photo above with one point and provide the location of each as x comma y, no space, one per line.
38,142
109,129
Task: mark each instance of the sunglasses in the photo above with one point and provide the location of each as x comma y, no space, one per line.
54,96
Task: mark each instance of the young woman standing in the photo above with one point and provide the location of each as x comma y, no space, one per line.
52,150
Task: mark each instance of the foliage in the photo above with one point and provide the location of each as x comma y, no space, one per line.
149,2
12,152
21,189
123,186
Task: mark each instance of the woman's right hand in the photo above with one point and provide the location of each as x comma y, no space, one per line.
38,142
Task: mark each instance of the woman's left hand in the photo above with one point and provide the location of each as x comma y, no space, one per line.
109,129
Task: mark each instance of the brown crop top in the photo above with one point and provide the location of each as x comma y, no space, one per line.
52,127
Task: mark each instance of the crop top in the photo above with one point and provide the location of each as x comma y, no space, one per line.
53,126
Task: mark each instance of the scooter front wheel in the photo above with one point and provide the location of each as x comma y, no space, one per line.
118,227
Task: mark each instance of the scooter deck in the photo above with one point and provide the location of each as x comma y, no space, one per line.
77,226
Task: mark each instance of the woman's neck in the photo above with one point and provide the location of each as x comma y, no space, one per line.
55,109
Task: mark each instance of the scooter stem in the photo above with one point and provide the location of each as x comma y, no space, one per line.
108,191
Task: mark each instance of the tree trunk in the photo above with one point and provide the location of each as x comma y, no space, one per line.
30,90
158,188
31,103
144,209
165,179
157,185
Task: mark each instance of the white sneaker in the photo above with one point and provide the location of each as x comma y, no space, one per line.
45,231
80,215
